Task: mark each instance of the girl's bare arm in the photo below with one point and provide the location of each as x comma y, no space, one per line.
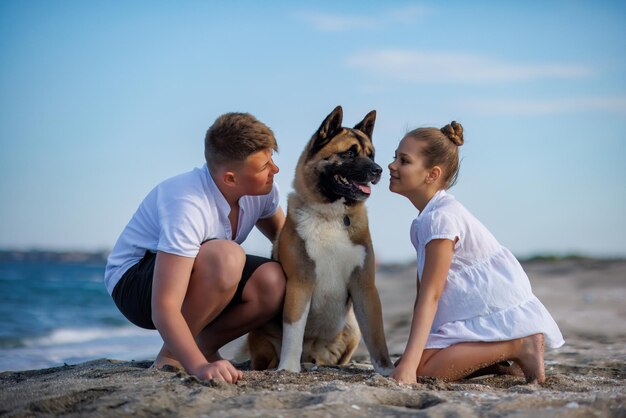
439,254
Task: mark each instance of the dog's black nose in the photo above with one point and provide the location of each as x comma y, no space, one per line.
376,171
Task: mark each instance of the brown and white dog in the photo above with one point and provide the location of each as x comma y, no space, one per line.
326,251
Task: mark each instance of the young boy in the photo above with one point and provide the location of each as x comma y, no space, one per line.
177,266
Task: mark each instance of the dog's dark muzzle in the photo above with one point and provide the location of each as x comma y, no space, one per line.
350,180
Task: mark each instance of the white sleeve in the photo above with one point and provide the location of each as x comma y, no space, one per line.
181,222
440,225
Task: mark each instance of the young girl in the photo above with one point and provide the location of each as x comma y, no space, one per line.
474,306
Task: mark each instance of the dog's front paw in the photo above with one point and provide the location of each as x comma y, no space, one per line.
384,367
384,371
290,367
290,370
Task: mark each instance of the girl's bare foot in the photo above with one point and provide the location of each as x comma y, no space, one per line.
530,358
509,369
500,369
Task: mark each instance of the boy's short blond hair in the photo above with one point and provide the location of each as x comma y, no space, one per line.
235,136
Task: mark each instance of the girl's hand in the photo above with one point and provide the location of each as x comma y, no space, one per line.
219,370
404,375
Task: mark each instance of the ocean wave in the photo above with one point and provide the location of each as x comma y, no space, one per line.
76,345
64,336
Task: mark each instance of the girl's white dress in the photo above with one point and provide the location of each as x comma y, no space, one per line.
487,296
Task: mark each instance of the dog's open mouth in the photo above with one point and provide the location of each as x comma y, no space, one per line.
353,185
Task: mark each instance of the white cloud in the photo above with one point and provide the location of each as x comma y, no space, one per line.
421,66
332,23
329,22
406,14
539,107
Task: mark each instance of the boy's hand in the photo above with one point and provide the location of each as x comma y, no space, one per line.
404,375
220,370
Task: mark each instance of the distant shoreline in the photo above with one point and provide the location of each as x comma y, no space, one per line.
100,257
50,256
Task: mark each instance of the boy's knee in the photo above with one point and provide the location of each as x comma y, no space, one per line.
270,284
232,259
222,263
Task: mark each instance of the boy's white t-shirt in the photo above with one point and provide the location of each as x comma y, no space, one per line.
180,214
487,295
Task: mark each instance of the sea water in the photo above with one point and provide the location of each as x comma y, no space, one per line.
60,313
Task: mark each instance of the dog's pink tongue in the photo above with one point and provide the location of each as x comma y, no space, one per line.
365,188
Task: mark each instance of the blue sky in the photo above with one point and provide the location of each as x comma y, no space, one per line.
102,100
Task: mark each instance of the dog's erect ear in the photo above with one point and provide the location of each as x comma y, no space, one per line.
327,130
332,124
367,124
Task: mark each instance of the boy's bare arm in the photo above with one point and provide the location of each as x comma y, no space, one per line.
270,227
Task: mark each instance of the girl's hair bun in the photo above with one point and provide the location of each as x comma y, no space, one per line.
454,132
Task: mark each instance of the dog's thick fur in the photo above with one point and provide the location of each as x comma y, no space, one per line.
326,252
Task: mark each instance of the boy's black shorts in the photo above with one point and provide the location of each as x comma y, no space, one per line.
133,293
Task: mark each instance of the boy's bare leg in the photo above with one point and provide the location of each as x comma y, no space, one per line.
460,360
214,278
262,299
216,274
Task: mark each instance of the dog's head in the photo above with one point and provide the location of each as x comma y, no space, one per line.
338,162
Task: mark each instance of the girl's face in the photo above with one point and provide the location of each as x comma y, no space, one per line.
407,171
